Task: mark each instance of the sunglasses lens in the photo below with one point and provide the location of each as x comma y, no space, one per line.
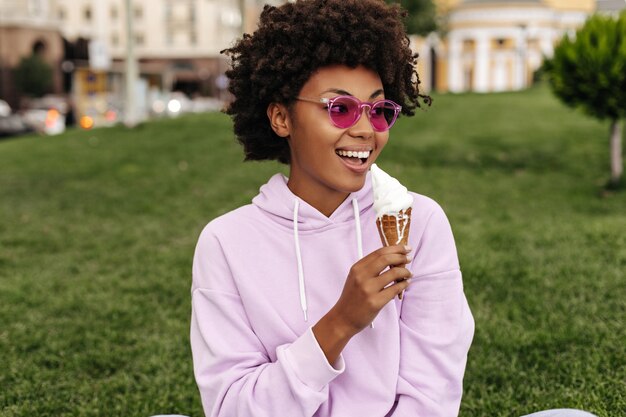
383,115
344,111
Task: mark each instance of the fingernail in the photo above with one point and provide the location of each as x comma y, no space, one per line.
408,280
408,259
408,248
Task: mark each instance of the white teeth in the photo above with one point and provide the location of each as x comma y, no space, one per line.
354,154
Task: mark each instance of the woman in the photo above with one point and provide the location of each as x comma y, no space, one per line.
282,300
294,301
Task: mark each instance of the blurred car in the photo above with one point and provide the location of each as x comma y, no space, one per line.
5,109
46,114
11,124
47,121
206,104
176,103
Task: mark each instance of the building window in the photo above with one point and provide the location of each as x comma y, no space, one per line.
169,37
193,39
468,45
87,13
61,14
139,39
115,39
231,18
114,13
39,48
501,43
35,7
138,12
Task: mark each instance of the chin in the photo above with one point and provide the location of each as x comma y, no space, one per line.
353,185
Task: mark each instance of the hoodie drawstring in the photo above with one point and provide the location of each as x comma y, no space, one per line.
303,304
357,220
296,238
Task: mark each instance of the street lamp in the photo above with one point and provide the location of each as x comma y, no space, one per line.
130,109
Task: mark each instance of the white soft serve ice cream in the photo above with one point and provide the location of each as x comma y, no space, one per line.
390,197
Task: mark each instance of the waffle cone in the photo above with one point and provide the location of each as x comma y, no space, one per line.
394,230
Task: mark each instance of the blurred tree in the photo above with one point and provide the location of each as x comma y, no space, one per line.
33,76
422,16
589,71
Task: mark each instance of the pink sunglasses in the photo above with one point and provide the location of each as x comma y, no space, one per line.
345,111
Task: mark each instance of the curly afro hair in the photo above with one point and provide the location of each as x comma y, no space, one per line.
296,39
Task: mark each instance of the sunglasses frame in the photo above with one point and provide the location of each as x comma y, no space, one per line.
361,104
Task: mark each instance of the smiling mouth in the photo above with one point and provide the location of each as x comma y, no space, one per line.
354,157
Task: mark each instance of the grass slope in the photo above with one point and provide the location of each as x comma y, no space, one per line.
97,231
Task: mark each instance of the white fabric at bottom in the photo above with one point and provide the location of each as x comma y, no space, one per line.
561,412
169,415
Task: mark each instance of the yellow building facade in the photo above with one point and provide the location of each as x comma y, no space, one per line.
494,45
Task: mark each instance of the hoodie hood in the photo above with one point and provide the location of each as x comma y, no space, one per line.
277,201
281,205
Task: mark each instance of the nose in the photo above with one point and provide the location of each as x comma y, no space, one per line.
363,127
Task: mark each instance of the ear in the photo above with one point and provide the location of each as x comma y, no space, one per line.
279,119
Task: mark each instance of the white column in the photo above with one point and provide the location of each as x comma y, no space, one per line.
500,73
423,64
522,56
481,68
455,65
546,43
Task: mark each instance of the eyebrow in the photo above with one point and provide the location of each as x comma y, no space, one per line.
345,93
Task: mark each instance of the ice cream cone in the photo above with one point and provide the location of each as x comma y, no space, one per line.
394,230
392,202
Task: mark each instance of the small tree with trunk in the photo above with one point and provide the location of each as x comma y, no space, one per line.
33,76
589,71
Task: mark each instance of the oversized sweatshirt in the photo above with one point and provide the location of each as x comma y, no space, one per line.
266,272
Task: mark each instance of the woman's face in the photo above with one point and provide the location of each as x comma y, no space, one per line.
319,174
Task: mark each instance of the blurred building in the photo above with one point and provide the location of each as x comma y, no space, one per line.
495,45
484,45
176,42
26,28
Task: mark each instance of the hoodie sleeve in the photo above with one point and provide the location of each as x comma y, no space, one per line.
233,371
436,328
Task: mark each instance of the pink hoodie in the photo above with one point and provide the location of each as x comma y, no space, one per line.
260,282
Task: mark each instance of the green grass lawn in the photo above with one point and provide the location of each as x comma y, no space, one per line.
97,231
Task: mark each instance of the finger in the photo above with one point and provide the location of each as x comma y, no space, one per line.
392,291
376,265
394,275
385,250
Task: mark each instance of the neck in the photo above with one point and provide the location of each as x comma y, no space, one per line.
322,199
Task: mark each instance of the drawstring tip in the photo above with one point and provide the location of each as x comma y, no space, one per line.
306,317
